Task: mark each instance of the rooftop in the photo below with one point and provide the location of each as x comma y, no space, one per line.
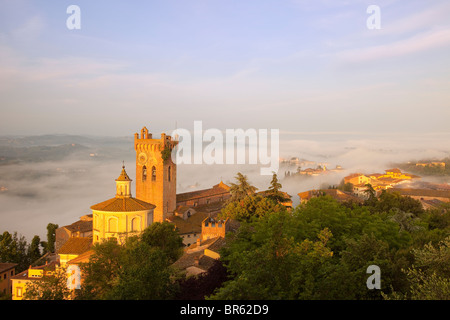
125,204
77,245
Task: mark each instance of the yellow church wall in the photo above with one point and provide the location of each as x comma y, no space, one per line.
119,224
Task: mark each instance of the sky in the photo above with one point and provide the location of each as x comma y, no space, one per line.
339,91
292,65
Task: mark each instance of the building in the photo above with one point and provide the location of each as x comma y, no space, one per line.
424,194
122,215
201,255
218,193
357,179
73,248
439,164
156,173
20,281
7,271
188,223
81,228
378,181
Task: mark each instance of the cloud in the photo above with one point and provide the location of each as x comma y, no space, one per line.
425,41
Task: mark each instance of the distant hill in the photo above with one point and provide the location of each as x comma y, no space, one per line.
62,139
58,147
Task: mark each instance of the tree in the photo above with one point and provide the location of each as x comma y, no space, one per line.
100,273
13,248
145,273
242,188
34,252
164,236
51,237
265,261
249,208
138,269
274,191
430,274
203,285
49,287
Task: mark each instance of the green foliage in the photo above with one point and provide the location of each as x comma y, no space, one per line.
49,287
13,248
139,269
165,236
267,262
429,276
34,252
274,191
321,250
51,237
144,274
166,153
242,188
250,208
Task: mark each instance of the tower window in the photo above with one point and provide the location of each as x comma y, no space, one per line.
144,173
168,173
153,173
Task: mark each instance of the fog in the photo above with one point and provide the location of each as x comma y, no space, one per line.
35,193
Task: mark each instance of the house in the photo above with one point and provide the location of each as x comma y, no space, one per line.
20,281
357,179
73,248
7,271
80,228
218,193
201,255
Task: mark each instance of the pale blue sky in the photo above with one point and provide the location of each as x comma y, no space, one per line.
293,65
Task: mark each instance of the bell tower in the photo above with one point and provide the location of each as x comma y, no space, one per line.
156,174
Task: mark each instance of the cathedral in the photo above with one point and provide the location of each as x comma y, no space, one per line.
194,215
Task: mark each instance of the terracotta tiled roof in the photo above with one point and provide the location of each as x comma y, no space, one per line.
123,204
81,226
193,224
76,246
422,192
204,262
6,266
218,189
84,257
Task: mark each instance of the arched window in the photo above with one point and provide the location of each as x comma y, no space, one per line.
144,173
135,224
168,173
112,225
153,173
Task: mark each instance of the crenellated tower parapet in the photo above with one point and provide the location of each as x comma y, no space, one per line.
156,172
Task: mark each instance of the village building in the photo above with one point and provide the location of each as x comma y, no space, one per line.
201,255
378,181
20,280
73,248
7,271
80,228
218,193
